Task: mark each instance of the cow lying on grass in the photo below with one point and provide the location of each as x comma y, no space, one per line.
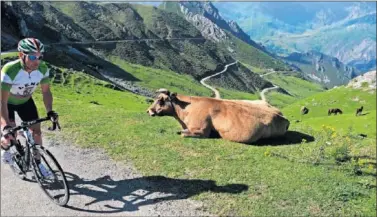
234,120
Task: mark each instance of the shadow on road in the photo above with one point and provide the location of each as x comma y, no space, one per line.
130,194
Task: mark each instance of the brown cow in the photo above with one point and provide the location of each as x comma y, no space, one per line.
238,121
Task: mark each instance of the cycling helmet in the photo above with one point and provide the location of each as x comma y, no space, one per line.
30,45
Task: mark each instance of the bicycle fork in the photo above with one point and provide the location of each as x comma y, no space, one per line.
30,142
34,155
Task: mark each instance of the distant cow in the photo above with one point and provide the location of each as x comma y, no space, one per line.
359,111
334,111
234,120
304,110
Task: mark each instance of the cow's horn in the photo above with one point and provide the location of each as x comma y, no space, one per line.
163,90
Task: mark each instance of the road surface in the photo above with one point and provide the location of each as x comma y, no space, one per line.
101,186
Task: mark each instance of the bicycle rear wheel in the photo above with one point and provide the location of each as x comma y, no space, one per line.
54,185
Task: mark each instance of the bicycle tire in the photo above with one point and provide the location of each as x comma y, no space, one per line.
44,153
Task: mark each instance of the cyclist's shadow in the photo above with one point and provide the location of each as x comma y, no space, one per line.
136,192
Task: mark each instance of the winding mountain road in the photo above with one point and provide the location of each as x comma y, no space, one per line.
265,90
217,93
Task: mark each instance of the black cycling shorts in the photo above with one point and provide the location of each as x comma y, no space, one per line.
27,111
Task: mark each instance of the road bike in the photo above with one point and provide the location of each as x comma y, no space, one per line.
28,156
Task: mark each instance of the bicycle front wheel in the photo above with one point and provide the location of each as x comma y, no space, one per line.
50,176
20,155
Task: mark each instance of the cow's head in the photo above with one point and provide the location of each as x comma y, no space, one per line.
163,103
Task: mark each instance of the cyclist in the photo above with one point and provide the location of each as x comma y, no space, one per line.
19,79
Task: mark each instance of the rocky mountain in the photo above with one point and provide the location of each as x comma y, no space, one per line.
94,25
345,30
365,81
321,68
206,17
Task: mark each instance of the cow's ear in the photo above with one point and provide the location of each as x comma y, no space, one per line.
173,96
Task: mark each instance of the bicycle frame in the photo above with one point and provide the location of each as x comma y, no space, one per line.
30,143
28,136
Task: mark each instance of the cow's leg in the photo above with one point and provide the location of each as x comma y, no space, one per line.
183,125
196,133
182,131
197,129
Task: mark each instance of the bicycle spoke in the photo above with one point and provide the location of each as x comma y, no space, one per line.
51,177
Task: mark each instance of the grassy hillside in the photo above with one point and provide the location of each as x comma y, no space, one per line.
268,172
248,180
279,100
182,83
253,56
348,100
297,88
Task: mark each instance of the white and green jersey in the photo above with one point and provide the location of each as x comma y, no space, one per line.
20,83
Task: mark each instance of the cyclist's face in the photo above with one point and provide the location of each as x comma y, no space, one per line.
32,60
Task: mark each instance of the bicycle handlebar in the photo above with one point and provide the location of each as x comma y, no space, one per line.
30,123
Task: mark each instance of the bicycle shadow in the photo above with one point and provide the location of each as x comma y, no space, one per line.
136,192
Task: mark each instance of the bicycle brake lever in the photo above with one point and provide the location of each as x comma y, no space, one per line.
54,125
58,125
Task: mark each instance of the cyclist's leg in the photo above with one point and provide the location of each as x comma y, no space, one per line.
11,115
37,133
29,112
6,156
11,109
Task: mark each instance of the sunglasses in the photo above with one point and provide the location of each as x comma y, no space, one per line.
33,57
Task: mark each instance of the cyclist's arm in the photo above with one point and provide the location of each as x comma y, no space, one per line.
47,96
45,86
8,73
4,104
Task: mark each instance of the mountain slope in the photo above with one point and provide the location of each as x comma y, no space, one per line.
58,22
345,30
206,18
323,69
